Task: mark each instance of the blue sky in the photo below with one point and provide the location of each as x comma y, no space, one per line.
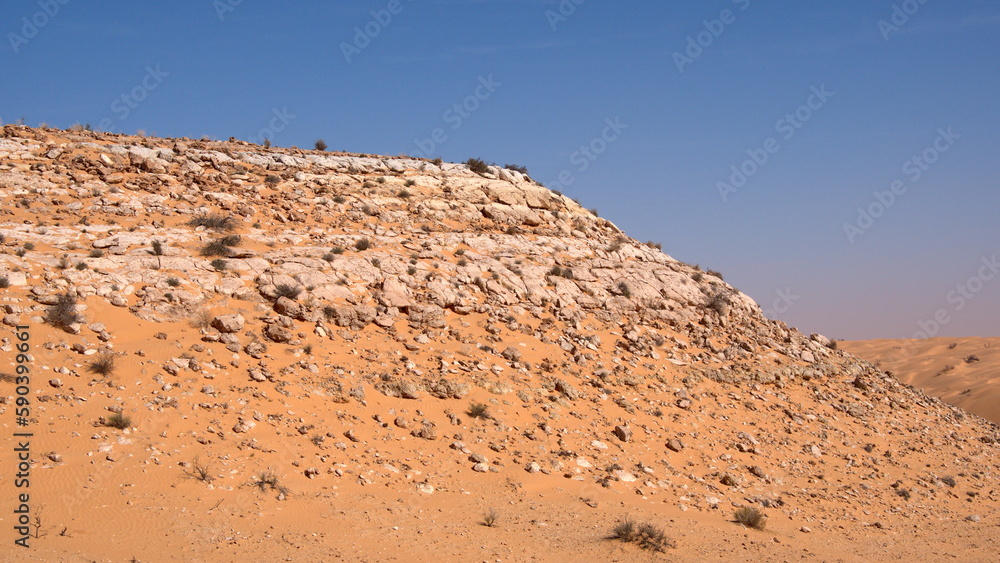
820,105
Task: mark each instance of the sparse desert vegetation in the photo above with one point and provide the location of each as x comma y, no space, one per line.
751,517
200,472
288,290
478,166
478,410
118,420
103,364
268,481
491,517
645,535
63,312
215,222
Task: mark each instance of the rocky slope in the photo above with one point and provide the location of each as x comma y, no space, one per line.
960,371
353,335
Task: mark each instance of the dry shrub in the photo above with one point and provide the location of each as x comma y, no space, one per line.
63,312
751,517
104,364
202,319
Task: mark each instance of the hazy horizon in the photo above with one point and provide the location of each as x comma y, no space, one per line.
838,163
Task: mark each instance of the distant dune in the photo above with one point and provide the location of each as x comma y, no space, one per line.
943,367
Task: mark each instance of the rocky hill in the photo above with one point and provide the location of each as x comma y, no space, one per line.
240,351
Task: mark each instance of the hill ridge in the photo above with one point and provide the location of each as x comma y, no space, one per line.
335,319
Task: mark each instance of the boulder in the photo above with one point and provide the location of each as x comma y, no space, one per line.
394,293
228,323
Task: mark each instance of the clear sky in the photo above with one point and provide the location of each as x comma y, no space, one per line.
838,161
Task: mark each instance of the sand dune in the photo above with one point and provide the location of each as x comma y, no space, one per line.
943,367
